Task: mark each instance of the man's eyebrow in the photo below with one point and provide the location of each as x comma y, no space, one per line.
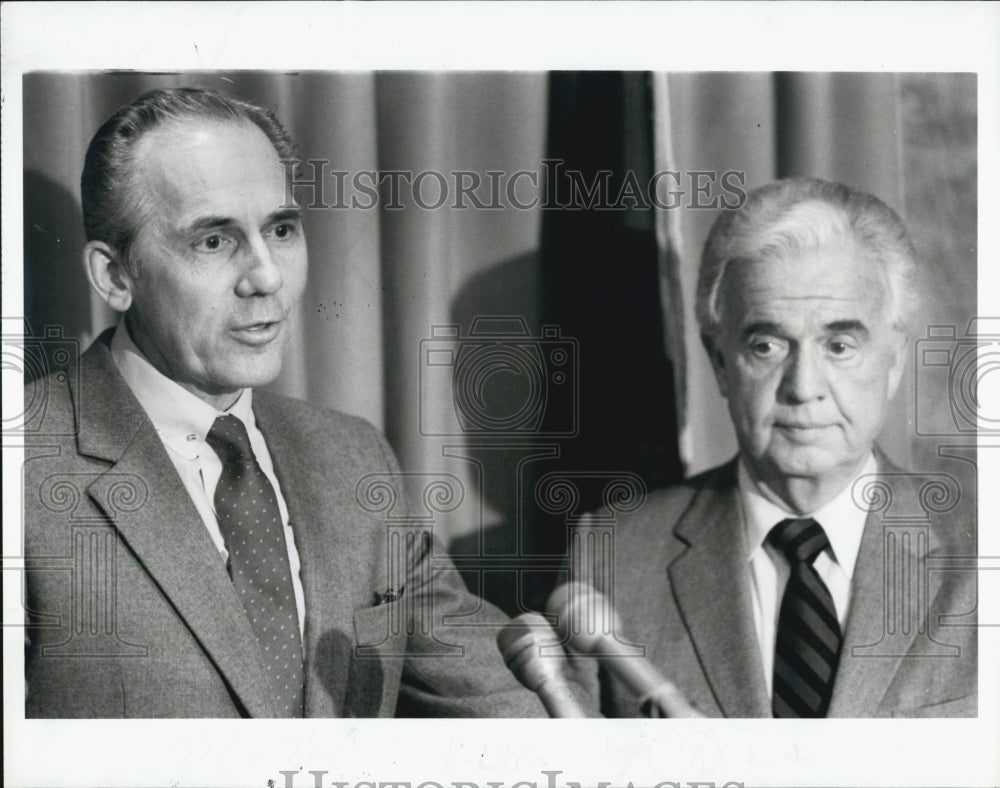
209,223
220,222
834,327
846,327
760,327
285,215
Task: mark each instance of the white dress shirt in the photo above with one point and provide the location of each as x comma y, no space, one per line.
183,421
842,520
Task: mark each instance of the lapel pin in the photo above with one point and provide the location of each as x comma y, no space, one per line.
390,595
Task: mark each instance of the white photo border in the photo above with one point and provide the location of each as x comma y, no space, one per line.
503,36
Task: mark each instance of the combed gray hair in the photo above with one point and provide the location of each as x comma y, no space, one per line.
111,197
793,216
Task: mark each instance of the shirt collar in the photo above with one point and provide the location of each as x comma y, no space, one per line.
182,420
842,519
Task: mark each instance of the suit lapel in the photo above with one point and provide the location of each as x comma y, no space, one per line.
864,674
165,531
711,585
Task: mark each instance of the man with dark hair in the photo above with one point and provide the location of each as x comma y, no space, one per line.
782,583
225,559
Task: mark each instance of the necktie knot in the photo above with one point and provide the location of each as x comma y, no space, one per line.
229,439
801,540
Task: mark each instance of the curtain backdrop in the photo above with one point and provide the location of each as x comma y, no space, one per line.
600,393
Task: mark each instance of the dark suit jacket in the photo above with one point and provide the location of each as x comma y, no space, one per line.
681,585
131,612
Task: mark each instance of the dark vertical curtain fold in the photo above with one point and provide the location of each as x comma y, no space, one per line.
600,277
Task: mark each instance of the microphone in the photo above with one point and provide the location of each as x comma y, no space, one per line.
521,641
576,603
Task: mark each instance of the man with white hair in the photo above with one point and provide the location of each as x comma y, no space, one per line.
766,587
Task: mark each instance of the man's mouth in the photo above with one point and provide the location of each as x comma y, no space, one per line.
259,333
801,431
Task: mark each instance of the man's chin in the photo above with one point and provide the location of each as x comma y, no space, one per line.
804,461
250,375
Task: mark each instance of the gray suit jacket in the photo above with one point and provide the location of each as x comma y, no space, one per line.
681,584
131,612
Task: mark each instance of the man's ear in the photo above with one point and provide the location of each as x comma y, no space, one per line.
718,363
108,275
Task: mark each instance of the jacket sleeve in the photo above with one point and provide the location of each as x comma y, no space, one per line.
451,665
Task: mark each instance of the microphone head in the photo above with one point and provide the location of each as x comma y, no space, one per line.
584,616
531,649
532,625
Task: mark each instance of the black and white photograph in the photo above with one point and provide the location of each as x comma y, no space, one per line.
482,420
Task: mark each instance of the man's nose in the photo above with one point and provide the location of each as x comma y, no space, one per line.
261,274
804,377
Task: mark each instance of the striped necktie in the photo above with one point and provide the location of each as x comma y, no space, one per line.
807,648
250,521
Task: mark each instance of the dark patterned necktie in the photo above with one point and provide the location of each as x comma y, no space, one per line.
250,521
807,649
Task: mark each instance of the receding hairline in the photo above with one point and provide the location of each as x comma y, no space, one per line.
187,126
153,139
112,197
